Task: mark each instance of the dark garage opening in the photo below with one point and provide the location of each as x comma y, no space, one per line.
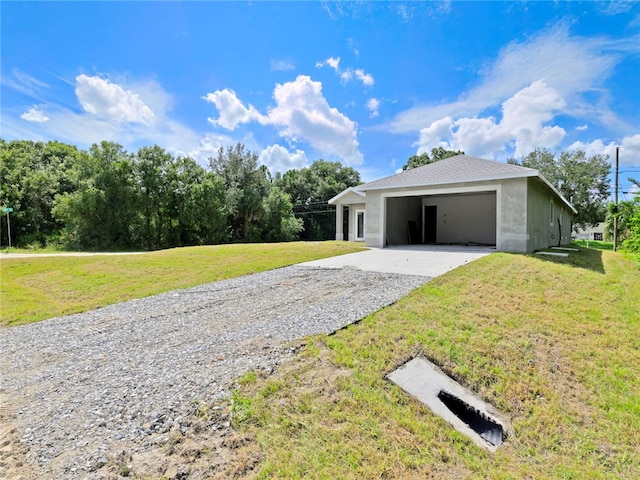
458,219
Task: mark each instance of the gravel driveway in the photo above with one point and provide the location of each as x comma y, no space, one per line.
77,390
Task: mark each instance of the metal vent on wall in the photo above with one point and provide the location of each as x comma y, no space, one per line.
459,406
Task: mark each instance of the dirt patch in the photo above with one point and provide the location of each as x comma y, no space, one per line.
202,446
205,445
13,453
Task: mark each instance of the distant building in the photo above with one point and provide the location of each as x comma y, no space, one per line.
591,233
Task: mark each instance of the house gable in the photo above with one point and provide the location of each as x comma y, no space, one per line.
350,196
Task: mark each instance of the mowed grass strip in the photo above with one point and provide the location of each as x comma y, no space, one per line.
552,342
34,289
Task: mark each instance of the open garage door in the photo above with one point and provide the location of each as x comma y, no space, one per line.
461,219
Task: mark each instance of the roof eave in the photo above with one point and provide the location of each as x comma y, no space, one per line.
335,199
533,173
555,190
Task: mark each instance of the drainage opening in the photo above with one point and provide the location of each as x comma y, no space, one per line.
491,431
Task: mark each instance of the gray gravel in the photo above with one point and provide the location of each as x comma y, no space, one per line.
87,386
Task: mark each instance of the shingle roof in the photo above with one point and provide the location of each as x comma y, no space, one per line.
458,169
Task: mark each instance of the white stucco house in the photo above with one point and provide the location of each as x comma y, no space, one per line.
458,200
592,232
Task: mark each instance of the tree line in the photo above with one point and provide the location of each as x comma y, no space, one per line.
108,198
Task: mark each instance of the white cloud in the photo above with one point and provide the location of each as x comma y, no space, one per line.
405,13
302,112
595,147
102,98
629,149
522,126
34,115
441,7
29,80
525,113
348,74
617,7
571,65
84,128
333,62
279,159
154,96
353,46
281,65
201,150
373,104
364,77
232,111
582,128
23,83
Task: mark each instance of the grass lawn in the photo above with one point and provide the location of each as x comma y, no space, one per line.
552,342
596,244
33,289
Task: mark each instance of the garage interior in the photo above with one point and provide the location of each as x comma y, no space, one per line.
450,219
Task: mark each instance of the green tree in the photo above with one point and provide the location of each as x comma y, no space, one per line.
632,242
197,205
153,173
246,186
98,213
437,153
582,180
31,175
280,225
310,188
624,212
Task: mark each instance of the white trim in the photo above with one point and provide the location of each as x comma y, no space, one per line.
339,222
346,192
497,188
356,212
499,217
534,173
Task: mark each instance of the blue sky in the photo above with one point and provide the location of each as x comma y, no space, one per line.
364,83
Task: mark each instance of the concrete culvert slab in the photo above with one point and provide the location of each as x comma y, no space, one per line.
462,408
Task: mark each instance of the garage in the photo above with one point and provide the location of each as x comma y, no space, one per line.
458,219
460,200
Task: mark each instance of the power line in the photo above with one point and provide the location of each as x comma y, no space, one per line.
313,211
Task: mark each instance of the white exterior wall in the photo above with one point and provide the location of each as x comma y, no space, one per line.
377,204
522,222
513,215
374,219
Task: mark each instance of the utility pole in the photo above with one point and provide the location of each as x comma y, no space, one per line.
615,217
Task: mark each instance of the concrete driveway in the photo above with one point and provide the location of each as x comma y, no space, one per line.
423,260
